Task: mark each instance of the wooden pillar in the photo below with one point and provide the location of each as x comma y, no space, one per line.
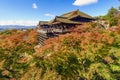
61,25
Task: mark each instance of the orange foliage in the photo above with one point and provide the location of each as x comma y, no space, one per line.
80,35
32,36
16,38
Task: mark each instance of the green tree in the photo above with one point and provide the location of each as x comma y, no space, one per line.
112,12
111,16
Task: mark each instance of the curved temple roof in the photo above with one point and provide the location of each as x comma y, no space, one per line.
59,19
76,13
66,18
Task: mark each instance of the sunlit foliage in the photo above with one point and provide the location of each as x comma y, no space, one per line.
87,53
16,49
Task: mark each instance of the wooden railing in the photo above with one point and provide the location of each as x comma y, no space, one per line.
53,30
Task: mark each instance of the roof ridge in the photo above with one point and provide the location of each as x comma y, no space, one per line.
69,12
76,12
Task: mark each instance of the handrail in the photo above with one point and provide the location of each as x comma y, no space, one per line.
52,30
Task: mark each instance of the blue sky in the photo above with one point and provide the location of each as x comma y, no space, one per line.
31,11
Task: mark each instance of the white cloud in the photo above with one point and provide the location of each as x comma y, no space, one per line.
84,2
34,6
49,15
19,22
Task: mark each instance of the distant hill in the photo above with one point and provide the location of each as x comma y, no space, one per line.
7,27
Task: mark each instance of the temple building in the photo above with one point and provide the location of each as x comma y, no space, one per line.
64,22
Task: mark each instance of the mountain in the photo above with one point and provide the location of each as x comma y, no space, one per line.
7,27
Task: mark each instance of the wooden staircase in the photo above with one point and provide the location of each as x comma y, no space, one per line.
42,38
43,35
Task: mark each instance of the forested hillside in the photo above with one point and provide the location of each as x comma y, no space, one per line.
87,54
16,50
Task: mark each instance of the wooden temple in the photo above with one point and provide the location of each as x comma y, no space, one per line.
63,24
